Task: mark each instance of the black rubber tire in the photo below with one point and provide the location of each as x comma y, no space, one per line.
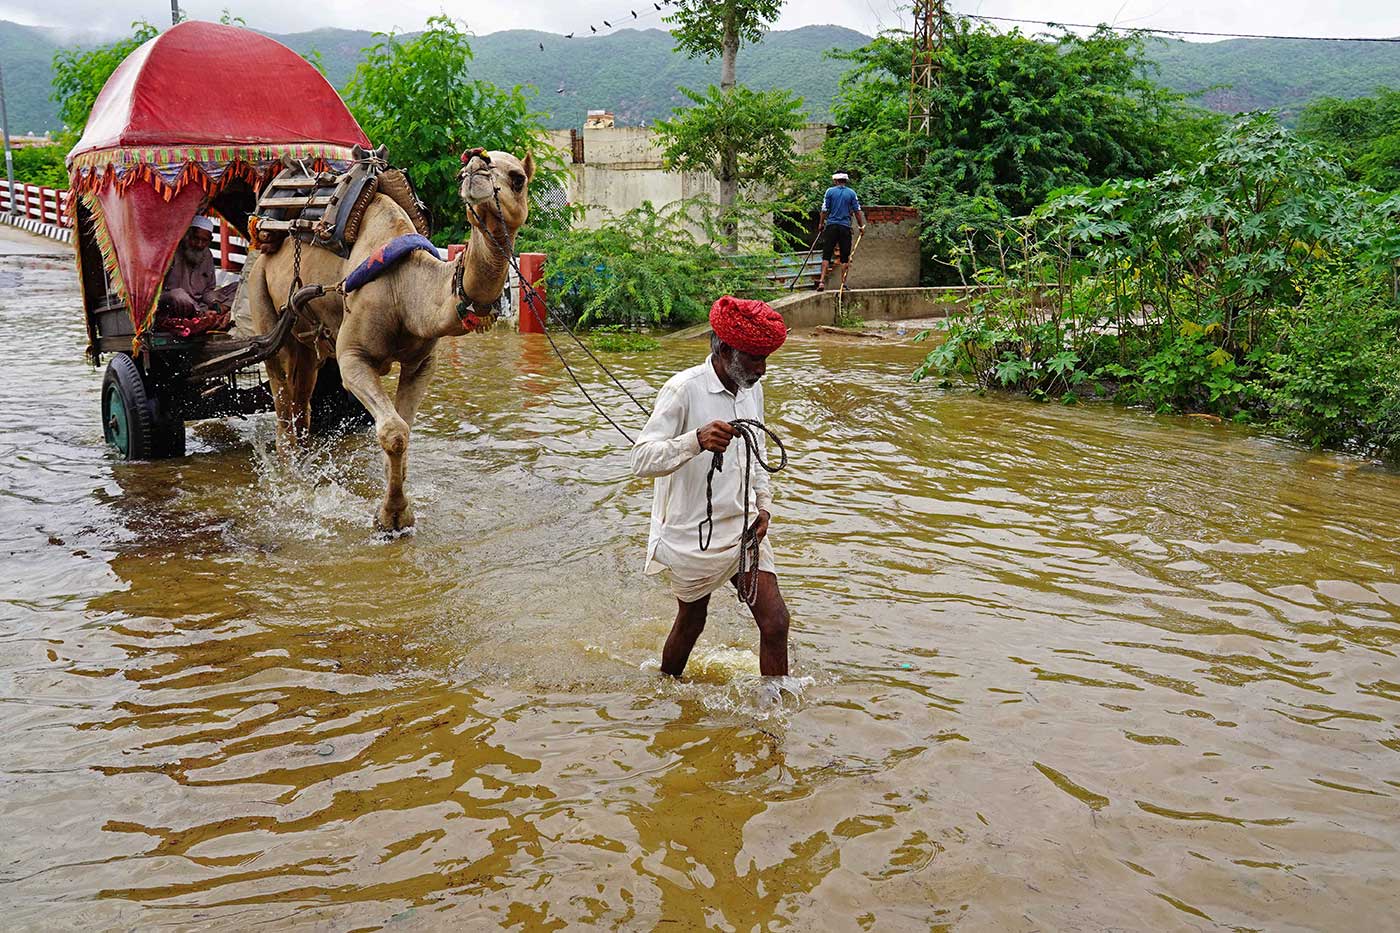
333,409
133,419
126,409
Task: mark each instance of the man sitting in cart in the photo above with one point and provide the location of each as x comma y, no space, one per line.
190,303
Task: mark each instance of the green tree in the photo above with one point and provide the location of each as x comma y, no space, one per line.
717,133
417,96
1015,117
1363,133
79,75
741,137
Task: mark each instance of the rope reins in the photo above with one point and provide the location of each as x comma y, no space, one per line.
748,429
533,296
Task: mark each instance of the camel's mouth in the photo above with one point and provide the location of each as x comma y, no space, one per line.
478,188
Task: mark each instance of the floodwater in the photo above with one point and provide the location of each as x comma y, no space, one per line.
1057,668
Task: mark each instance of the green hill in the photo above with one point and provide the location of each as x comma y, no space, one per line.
635,73
630,72
26,53
1264,74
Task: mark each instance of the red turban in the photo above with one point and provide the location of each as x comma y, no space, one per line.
751,326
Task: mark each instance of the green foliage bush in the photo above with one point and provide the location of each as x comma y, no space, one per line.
416,95
1014,119
1330,372
1255,285
1363,134
646,268
41,165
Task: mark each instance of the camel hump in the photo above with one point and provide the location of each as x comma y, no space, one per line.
394,183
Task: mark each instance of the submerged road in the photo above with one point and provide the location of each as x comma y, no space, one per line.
1060,668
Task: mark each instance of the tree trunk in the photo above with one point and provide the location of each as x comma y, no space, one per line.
729,159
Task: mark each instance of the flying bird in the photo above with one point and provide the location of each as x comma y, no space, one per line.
657,5
607,24
594,28
541,46
634,13
561,89
569,36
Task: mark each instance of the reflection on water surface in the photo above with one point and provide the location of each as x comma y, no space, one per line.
1065,668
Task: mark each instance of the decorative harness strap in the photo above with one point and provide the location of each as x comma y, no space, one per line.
466,309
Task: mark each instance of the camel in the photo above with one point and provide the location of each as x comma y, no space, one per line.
397,318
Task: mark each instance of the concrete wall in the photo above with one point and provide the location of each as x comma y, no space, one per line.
809,309
622,167
889,252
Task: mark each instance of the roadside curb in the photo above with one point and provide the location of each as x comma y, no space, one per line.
38,227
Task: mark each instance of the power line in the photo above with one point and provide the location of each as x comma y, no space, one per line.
1179,32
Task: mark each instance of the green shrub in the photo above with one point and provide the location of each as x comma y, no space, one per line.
1332,368
645,268
41,165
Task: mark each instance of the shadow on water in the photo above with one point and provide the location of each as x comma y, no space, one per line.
1056,668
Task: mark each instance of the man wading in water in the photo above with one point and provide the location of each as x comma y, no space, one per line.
692,416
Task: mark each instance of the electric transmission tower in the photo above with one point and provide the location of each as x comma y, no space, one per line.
923,71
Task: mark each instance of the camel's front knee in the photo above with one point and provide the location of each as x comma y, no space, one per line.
393,437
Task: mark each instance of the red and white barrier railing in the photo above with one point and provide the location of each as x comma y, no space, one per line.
46,205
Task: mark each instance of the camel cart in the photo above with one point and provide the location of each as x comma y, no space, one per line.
199,119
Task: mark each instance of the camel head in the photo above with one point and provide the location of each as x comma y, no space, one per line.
489,177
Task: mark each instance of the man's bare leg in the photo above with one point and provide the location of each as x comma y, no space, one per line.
690,622
821,282
771,614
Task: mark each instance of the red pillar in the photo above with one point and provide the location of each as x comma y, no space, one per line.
532,309
224,235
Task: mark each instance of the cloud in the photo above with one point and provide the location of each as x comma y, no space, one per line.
1300,17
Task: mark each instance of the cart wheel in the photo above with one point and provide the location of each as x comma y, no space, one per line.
333,409
131,418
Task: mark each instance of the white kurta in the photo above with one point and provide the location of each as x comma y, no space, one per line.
669,450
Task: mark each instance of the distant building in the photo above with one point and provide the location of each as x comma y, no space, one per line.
613,169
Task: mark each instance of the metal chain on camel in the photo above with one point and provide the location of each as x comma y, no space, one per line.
748,429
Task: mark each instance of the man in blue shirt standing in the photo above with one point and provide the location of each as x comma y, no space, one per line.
839,205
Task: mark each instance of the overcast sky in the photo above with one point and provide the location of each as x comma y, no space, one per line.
1293,17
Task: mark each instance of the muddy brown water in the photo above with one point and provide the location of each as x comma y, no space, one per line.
1059,668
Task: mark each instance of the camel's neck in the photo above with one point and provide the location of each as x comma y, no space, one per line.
484,270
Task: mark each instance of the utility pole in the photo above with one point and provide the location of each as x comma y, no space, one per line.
923,70
174,12
5,130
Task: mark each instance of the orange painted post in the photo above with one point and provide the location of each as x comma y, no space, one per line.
532,306
224,261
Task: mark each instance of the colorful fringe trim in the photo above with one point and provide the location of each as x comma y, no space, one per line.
170,171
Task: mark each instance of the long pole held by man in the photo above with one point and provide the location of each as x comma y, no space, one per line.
693,420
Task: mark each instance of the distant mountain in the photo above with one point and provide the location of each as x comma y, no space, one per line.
630,72
26,54
635,73
1264,74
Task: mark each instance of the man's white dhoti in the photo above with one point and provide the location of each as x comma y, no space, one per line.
694,580
669,450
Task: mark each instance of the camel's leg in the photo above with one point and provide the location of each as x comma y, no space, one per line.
397,510
291,371
264,314
363,380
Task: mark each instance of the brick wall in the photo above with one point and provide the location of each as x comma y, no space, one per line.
889,252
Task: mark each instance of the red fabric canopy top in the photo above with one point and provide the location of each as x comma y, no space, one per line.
186,114
206,84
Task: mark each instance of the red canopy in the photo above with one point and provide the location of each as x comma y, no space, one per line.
186,114
206,84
